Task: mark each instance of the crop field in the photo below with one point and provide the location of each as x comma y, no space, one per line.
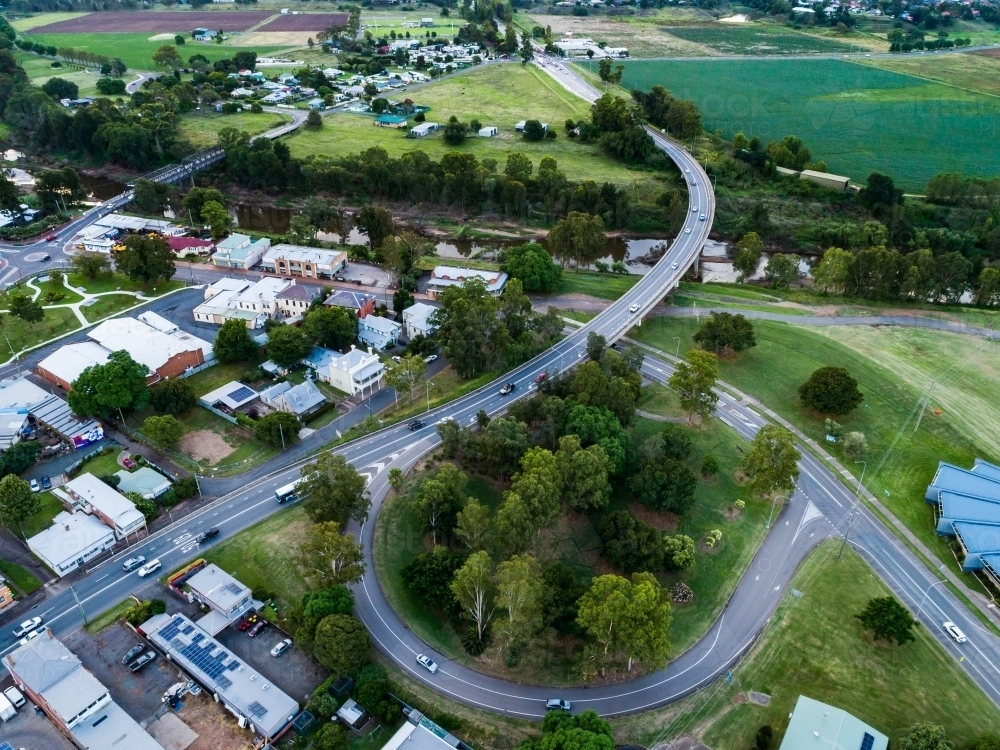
174,21
498,95
755,39
305,22
42,19
858,119
643,35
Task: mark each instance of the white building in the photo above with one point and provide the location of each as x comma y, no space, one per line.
227,597
251,303
489,131
378,333
355,372
309,262
443,277
239,251
71,540
89,494
422,130
416,320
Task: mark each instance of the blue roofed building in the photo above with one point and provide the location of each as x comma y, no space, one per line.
968,507
981,480
819,725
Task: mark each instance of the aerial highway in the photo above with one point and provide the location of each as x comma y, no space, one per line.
820,508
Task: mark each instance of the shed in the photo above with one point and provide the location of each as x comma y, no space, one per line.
489,131
352,714
423,130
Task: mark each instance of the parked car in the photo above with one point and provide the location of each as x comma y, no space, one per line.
149,567
132,653
14,696
207,535
257,629
31,634
27,625
953,630
129,463
142,661
507,388
132,563
35,486
415,424
281,648
430,359
46,482
427,663
557,704
397,359
541,377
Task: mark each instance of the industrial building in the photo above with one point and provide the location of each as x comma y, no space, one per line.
20,396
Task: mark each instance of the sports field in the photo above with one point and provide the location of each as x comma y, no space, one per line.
754,39
858,119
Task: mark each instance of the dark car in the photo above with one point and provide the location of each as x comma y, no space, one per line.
132,653
257,629
416,424
206,535
45,258
142,661
507,388
46,482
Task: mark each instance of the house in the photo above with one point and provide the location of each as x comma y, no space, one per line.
359,303
149,483
71,541
14,425
426,22
443,277
422,130
227,598
416,320
241,93
229,398
319,104
294,301
245,693
355,372
308,262
815,724
489,131
229,299
301,400
390,121
275,97
420,733
184,246
239,251
332,73
20,394
88,494
151,340
378,333
53,678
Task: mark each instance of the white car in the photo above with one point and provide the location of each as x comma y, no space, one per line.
35,486
687,231
14,696
634,309
281,647
953,630
149,567
430,359
27,625
673,267
694,209
427,663
31,635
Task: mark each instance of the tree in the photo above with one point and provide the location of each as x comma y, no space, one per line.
514,524
527,51
428,576
782,269
539,485
376,222
855,445
23,307
19,457
749,251
455,132
596,345
987,741
118,384
694,380
314,120
831,390
439,499
287,345
631,544
880,194
533,130
341,644
519,591
502,444
396,479
473,524
664,483
330,736
596,425
333,327
60,88
888,619
532,264
833,271
924,736
407,375
17,501
165,430
771,463
10,195
726,331
334,491
278,428
329,558
197,197
233,343
167,57
678,552
474,590
218,219
91,265
146,258
579,237
172,396
584,473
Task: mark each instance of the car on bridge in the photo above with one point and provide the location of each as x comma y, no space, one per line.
541,377
415,424
635,308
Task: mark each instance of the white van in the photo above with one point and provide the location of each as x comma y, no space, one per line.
7,711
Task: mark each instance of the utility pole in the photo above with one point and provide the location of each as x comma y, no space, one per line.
854,511
281,430
82,612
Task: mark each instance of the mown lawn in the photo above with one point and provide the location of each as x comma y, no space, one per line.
22,335
109,617
101,466
118,283
50,287
202,130
975,72
602,285
110,304
37,522
21,578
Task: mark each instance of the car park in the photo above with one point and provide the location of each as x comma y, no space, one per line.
541,377
142,661
247,622
415,424
634,308
281,648
132,653
149,567
31,634
132,563
14,696
207,535
27,625
430,359
507,388
955,632
257,629
46,482
35,486
557,704
427,663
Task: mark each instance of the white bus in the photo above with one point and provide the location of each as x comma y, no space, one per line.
287,494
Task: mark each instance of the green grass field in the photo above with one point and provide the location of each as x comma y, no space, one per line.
856,118
22,578
602,285
893,367
119,282
102,465
109,305
202,131
50,508
498,95
23,335
756,39
39,70
814,646
974,72
109,617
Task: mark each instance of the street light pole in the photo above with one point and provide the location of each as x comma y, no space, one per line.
854,511
427,385
677,349
924,598
773,504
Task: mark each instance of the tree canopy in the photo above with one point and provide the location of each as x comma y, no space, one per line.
725,331
233,342
831,390
334,490
532,264
888,620
146,258
100,390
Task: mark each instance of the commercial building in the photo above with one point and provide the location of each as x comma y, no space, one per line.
88,494
53,678
357,372
819,725
150,339
360,303
968,508
227,598
20,395
443,277
71,540
301,400
239,251
378,333
420,733
230,299
294,301
307,262
246,693
416,320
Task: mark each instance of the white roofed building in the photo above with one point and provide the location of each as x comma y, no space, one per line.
71,541
89,494
416,320
377,332
251,303
357,371
443,277
308,262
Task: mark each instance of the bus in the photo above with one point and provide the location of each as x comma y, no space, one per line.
287,494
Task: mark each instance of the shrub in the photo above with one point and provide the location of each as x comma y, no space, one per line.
185,488
709,466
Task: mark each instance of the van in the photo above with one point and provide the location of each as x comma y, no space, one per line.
149,567
7,711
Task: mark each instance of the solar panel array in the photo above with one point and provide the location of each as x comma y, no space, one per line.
187,629
167,632
200,656
5,746
256,709
240,394
867,741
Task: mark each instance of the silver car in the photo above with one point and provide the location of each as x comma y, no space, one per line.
427,663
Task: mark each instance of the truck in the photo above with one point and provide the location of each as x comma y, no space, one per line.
7,710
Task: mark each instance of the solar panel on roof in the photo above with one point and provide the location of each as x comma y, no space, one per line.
197,638
240,394
5,746
233,665
867,741
223,682
187,629
256,709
